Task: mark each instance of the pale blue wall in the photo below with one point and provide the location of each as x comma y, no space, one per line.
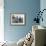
29,7
43,6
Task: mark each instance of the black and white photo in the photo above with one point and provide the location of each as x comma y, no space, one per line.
17,19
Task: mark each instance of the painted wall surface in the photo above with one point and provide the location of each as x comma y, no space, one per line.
29,8
43,6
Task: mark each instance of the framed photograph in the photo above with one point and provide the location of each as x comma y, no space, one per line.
17,19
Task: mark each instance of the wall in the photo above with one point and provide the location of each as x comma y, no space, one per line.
43,6
29,7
